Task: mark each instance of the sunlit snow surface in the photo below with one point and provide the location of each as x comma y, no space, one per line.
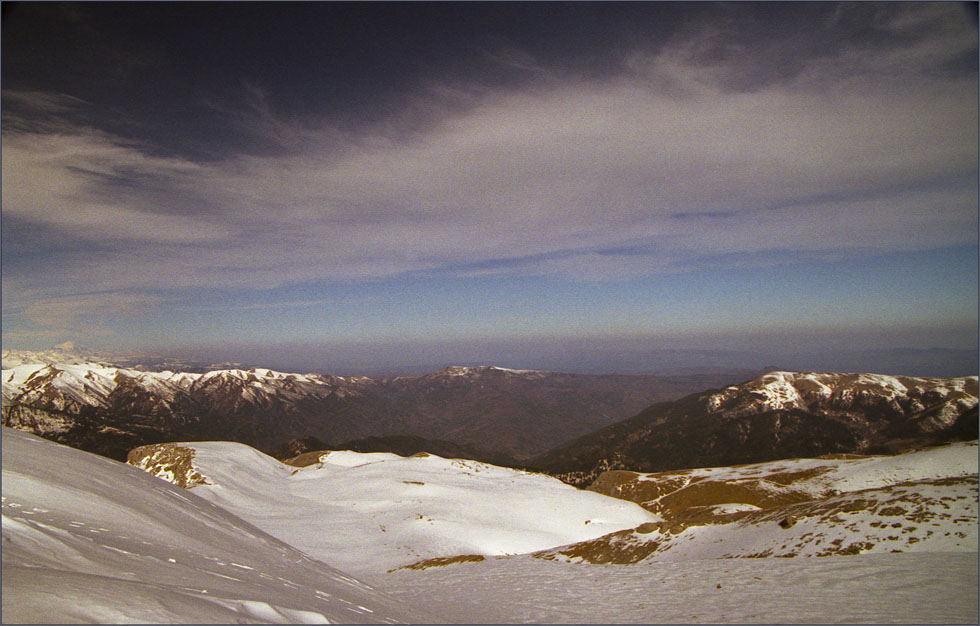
382,509
918,588
370,512
87,539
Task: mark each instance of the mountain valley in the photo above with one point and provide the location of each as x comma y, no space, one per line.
496,413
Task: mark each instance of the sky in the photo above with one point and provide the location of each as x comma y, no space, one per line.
578,186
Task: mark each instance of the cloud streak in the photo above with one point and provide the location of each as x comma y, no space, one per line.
684,156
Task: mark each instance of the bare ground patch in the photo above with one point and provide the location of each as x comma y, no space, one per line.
675,494
442,561
306,459
619,548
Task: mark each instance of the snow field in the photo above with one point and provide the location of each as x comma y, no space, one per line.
920,588
372,512
88,539
92,540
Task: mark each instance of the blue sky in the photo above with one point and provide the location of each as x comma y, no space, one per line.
583,186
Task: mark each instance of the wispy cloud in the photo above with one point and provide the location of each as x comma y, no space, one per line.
77,316
839,155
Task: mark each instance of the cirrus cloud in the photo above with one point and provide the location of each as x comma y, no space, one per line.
672,159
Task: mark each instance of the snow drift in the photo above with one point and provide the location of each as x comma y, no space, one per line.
88,539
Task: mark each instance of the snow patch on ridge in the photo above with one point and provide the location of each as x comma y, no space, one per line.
479,370
780,390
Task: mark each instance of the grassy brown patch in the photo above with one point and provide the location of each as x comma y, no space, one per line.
306,459
788,478
891,511
848,550
619,548
688,500
629,486
706,493
442,561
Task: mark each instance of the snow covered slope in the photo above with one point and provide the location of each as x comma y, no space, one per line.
899,534
87,539
939,401
914,588
368,513
780,415
924,501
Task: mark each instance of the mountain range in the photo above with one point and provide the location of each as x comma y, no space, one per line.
778,415
573,426
221,532
496,414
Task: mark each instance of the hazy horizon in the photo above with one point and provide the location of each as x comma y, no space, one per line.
630,355
393,187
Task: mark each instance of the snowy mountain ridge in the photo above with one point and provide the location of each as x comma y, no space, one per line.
777,415
90,383
481,370
110,409
69,386
805,390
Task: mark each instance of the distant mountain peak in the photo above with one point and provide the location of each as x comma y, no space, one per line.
477,370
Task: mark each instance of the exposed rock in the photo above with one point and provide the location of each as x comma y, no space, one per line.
169,461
